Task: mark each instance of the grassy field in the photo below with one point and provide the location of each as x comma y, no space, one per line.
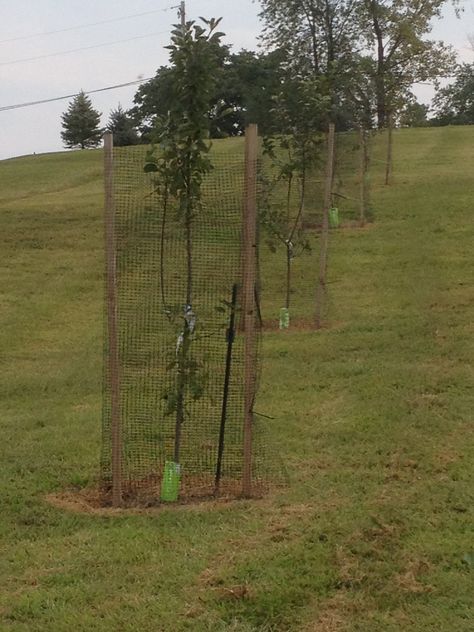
373,416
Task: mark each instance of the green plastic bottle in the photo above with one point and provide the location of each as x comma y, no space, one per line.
284,318
171,482
334,217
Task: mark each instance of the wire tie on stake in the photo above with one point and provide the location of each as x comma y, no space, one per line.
179,343
190,318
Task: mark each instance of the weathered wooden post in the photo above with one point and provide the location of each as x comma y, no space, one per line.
363,175
389,165
323,253
249,247
113,362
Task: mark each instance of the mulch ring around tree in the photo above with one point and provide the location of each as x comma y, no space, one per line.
144,496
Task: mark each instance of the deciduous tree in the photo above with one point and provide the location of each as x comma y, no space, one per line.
246,83
320,39
414,114
454,104
396,33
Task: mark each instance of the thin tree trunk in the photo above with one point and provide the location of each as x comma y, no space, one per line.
185,343
288,243
189,241
380,76
182,362
381,104
288,275
310,19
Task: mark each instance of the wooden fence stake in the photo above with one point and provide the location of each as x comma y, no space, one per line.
389,165
113,362
249,247
323,253
364,164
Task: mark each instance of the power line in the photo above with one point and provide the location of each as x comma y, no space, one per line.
17,106
77,50
85,26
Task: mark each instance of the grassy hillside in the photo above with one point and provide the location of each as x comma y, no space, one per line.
373,417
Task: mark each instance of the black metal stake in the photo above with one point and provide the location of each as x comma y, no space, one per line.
225,397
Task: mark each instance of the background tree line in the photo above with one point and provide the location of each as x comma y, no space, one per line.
351,62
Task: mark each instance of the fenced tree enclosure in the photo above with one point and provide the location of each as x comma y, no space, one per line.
309,188
181,261
183,306
284,182
181,377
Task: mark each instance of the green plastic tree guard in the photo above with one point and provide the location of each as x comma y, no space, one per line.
171,482
334,217
284,318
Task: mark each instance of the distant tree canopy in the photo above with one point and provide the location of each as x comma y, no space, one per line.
365,55
414,114
81,124
122,127
454,104
319,44
351,62
250,84
402,54
246,85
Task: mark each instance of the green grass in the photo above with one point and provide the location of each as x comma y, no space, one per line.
373,417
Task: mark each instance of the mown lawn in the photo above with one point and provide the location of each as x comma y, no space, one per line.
372,416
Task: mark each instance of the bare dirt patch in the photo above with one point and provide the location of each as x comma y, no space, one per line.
410,580
332,615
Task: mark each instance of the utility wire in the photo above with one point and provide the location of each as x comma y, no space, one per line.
17,106
77,50
85,26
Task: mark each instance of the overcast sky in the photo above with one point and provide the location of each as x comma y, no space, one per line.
37,129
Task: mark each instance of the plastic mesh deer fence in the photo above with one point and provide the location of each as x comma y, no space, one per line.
351,187
180,346
291,218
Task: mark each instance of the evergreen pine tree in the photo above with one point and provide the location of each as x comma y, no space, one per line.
121,126
81,124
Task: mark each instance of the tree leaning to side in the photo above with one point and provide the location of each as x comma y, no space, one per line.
81,124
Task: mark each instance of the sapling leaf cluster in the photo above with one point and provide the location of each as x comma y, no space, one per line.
180,161
291,155
290,161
